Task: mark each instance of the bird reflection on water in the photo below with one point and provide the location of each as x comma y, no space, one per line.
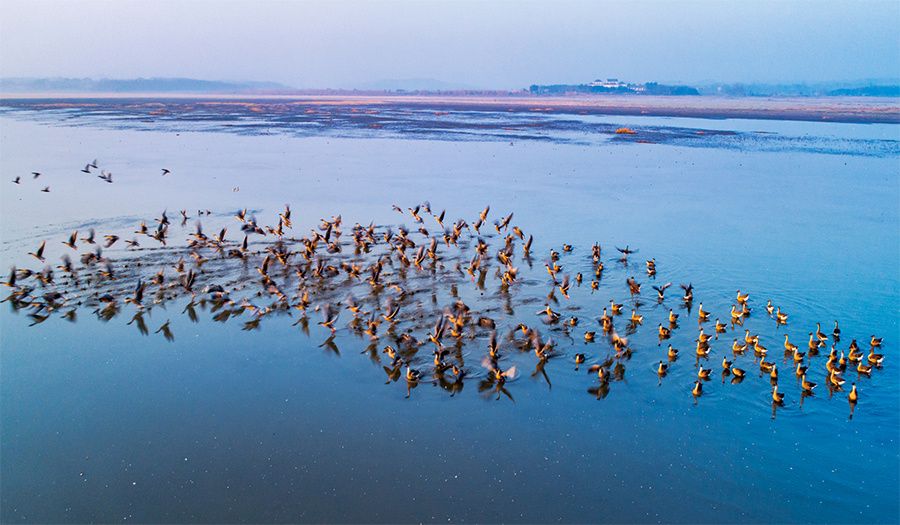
391,279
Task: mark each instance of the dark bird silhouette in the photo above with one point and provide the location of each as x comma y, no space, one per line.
166,331
661,291
39,253
72,239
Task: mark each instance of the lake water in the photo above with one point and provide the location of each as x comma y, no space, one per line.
102,423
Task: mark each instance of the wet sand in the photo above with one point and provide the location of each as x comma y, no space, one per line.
827,109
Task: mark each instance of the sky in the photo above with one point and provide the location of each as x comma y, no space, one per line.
490,44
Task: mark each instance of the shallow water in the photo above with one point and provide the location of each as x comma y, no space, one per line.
101,423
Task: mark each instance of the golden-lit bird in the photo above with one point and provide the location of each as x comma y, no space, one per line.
39,253
777,396
73,238
702,315
808,386
697,391
672,352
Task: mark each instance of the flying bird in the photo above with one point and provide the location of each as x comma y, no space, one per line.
39,253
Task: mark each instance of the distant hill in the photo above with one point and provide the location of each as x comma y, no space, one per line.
135,85
868,91
863,88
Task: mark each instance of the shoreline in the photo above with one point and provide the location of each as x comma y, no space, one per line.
856,110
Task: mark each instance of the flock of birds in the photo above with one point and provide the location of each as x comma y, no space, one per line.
391,280
104,175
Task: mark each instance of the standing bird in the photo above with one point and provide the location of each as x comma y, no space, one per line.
777,397
807,386
853,396
698,389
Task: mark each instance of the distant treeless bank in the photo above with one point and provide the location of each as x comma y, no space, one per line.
825,109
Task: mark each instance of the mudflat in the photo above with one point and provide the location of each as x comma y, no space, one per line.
828,109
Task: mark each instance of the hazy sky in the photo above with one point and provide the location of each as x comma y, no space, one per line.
501,44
